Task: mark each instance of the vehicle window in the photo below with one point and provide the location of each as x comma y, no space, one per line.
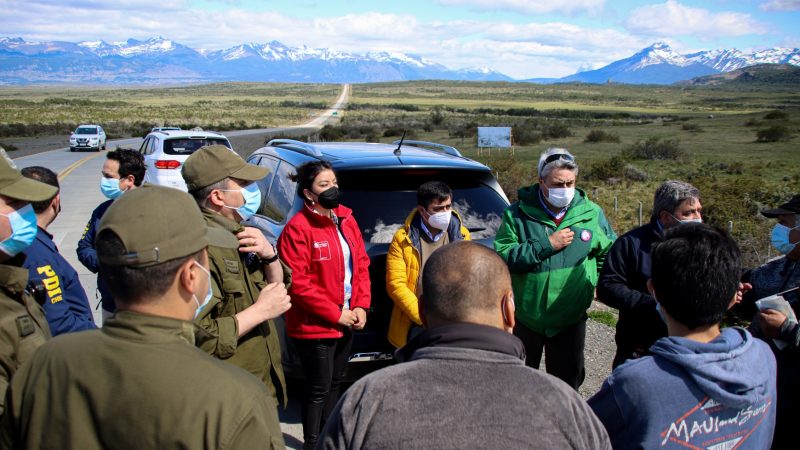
265,183
151,148
145,144
86,130
186,146
382,200
281,193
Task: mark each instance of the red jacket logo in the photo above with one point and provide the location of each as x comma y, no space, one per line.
322,251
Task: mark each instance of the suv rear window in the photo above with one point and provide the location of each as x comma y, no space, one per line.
382,199
187,146
86,130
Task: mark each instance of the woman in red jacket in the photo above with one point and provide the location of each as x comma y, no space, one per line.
330,289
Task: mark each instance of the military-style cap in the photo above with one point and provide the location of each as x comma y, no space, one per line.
14,185
213,163
790,207
157,224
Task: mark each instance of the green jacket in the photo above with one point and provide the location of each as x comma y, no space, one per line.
137,383
236,286
553,289
23,327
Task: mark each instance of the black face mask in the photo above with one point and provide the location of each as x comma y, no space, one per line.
329,198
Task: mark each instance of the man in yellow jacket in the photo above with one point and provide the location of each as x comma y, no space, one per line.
431,225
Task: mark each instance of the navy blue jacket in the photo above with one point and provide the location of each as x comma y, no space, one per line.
88,255
66,307
623,285
691,394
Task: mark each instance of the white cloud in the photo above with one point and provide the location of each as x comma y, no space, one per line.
519,50
675,19
781,5
532,7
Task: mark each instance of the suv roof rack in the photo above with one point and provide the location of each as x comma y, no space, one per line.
431,146
298,146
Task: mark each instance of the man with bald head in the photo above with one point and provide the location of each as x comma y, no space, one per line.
463,382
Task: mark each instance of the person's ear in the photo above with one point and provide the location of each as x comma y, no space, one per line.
188,278
665,218
421,306
308,194
650,289
56,204
508,308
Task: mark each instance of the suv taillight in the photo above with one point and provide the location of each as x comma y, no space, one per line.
167,164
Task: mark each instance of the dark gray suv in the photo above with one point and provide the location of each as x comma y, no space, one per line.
379,183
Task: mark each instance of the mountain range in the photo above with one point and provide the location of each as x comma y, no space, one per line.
162,61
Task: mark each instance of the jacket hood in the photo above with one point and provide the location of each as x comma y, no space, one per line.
722,368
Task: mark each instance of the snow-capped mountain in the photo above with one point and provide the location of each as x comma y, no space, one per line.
160,60
660,64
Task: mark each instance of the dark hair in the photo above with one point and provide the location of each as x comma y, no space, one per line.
131,162
132,284
46,176
695,273
461,280
433,191
306,174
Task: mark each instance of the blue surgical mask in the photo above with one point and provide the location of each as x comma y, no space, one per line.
780,239
208,294
23,230
698,220
252,200
110,187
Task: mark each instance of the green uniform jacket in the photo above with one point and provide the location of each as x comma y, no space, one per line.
235,287
553,289
138,383
23,328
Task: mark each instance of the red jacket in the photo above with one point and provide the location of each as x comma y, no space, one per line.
310,246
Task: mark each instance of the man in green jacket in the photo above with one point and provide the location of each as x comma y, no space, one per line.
554,240
248,283
139,382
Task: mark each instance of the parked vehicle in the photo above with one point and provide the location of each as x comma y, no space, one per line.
379,183
87,137
165,151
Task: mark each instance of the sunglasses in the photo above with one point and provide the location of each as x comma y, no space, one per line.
556,157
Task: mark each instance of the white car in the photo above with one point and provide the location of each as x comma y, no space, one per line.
165,151
88,137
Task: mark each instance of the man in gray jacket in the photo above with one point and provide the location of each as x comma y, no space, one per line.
463,383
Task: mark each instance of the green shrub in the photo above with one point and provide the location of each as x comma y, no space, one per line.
692,127
752,122
604,169
556,130
331,133
526,136
775,133
776,115
596,135
654,148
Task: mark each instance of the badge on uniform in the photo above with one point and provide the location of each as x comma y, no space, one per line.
25,326
586,235
231,266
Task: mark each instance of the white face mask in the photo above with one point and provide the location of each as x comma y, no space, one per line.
209,293
560,197
440,220
780,239
697,220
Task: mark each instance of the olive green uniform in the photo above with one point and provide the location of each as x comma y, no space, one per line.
125,386
236,287
23,328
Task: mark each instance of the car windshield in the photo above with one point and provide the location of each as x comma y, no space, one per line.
86,130
382,200
187,146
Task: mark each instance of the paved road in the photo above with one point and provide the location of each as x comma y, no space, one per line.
79,176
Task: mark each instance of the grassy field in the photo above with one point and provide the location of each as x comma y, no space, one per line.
131,111
713,131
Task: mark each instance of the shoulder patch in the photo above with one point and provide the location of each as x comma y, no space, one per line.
231,265
25,325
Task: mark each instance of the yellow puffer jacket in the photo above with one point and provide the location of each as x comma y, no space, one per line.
402,271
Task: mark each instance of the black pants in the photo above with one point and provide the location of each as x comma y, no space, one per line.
323,362
563,352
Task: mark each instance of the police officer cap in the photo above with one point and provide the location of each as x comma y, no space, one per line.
214,163
790,207
14,185
157,224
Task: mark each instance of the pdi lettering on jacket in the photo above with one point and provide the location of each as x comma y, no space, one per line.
322,251
51,283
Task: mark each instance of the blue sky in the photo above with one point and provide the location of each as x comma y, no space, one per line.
521,38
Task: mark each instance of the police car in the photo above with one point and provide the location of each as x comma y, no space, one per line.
379,183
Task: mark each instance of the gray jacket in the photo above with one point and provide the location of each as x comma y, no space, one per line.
452,396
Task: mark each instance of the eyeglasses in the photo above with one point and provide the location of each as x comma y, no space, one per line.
556,157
